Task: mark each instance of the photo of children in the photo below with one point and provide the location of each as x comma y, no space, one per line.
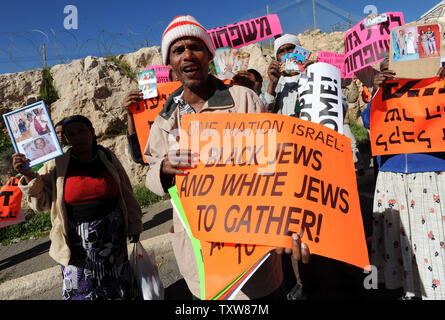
221,60
29,124
39,147
405,44
230,61
147,83
429,38
292,63
240,61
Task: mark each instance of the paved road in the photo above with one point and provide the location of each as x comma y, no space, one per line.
27,257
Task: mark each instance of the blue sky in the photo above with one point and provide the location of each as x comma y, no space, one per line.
124,26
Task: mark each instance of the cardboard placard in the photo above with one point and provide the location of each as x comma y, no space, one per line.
145,113
416,50
263,176
367,46
246,32
10,200
320,95
335,59
407,116
222,267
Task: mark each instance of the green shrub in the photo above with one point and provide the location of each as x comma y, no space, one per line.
6,148
123,66
36,225
360,133
5,142
145,197
47,91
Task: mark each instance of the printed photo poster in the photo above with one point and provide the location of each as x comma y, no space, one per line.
32,133
320,95
229,62
429,39
238,61
405,44
147,83
221,61
416,51
292,63
416,42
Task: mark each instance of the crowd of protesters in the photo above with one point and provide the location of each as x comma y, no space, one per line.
93,208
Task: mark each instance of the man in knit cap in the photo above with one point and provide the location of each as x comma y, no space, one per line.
280,93
187,49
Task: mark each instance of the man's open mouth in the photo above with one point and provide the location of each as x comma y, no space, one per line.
191,69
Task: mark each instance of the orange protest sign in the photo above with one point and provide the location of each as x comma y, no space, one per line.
10,200
263,176
407,116
145,113
220,264
366,94
224,262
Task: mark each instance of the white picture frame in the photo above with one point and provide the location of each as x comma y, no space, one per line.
32,133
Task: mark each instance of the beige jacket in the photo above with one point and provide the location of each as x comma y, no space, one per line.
45,192
235,99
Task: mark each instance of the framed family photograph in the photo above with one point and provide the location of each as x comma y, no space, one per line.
32,133
416,50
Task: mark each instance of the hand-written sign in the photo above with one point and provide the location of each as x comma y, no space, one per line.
407,116
335,59
10,200
367,46
243,33
307,184
321,96
145,113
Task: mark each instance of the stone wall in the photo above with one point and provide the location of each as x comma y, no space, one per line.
95,87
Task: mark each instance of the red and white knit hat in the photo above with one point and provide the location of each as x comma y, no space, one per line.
184,26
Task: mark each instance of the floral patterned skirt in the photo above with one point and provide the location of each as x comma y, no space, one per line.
99,266
408,246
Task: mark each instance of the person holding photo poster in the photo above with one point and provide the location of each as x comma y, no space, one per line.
187,49
131,98
408,231
279,93
93,210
